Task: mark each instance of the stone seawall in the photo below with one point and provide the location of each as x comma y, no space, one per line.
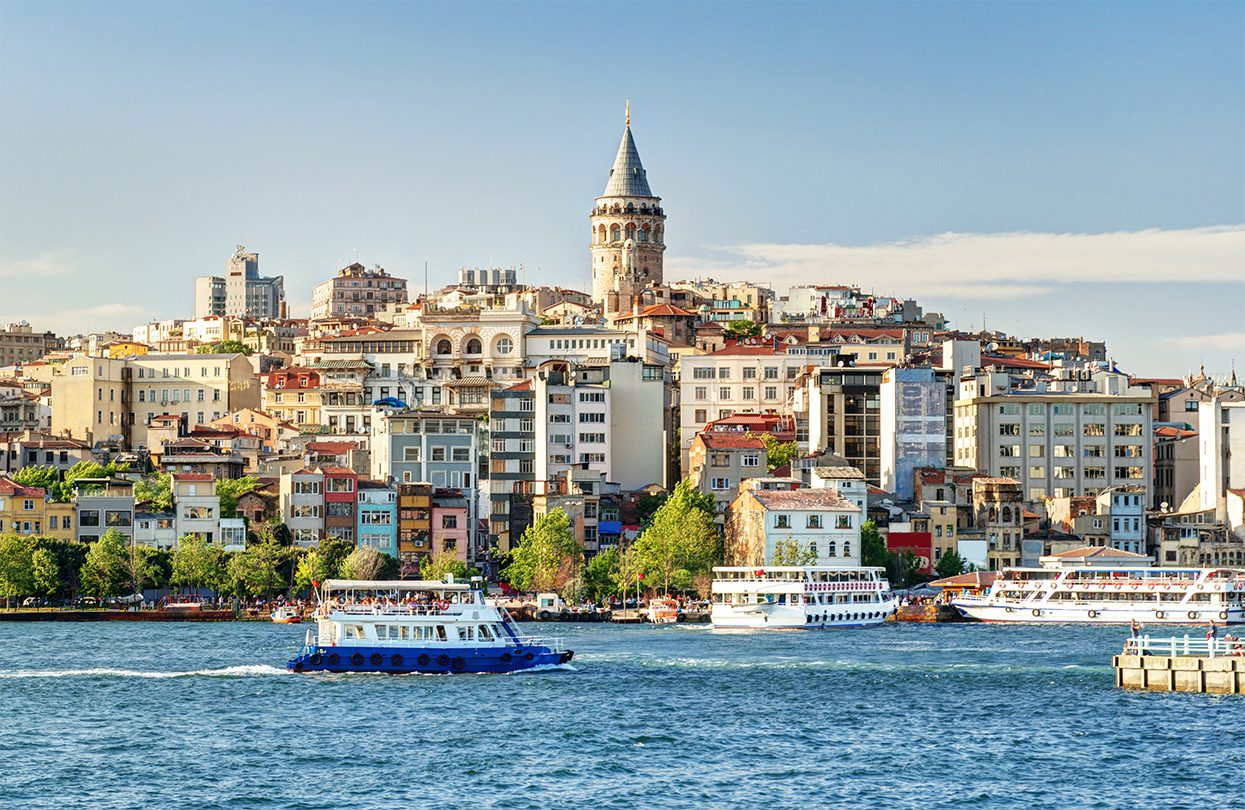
1224,675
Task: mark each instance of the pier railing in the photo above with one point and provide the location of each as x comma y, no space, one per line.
1185,645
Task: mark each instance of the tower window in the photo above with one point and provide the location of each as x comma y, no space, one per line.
616,233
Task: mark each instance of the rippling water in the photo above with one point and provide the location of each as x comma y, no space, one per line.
205,716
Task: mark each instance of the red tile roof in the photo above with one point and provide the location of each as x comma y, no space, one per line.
332,447
730,441
192,477
737,349
827,499
14,489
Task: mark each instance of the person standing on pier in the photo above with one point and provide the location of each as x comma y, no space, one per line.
1211,631
1136,627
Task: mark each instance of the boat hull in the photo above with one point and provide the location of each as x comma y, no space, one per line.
429,660
779,617
1102,614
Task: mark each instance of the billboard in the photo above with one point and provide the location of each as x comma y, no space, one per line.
919,543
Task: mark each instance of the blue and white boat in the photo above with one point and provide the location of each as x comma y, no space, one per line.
418,626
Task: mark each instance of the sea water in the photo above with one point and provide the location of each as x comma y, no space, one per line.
120,715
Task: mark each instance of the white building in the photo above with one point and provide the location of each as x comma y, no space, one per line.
1221,447
242,291
1060,438
356,292
821,522
196,507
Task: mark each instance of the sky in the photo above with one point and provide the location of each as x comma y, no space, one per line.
1047,168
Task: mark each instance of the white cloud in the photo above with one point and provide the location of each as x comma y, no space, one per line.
987,266
48,263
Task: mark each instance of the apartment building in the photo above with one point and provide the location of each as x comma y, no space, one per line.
29,511
196,507
293,395
414,525
340,501
101,504
378,516
20,343
819,521
302,506
32,448
356,291
102,398
1060,438
241,291
719,461
512,455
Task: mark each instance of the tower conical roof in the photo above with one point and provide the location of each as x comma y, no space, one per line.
627,176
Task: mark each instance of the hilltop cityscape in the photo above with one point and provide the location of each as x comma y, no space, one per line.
442,424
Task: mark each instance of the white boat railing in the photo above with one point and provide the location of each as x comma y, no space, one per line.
1184,645
555,644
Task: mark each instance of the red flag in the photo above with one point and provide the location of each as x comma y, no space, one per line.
315,584
641,575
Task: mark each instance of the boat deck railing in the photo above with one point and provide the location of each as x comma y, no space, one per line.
556,644
397,610
1185,645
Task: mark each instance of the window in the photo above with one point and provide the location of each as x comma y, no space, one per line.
1009,450
813,522
1094,409
720,483
461,454
1130,472
724,392
474,346
782,521
307,487
1037,408
1037,451
700,393
1126,409
1128,451
118,517
449,521
845,522
1009,430
88,517
700,415
438,454
1037,472
1037,429
592,438
1127,430
1095,472
771,392
1064,429
750,460
1065,472
1094,429
750,373
1064,451
771,372
704,373
1009,409
591,417
750,392
340,484
831,549
592,396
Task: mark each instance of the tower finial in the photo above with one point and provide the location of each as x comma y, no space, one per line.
628,112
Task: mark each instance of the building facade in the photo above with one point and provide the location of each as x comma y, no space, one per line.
356,291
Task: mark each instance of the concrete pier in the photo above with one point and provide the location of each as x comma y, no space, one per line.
1222,675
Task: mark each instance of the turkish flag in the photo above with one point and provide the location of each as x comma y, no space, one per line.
641,576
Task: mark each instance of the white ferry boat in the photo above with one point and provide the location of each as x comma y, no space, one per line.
1111,596
417,626
791,597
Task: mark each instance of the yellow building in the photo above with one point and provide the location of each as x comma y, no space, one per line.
126,348
293,395
28,511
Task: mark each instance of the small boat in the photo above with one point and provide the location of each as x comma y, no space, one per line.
287,614
419,626
663,611
795,597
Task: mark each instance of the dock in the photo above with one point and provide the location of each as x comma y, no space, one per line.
1182,664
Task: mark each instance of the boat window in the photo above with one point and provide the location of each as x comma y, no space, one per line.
468,632
355,631
382,632
441,632
485,633
404,632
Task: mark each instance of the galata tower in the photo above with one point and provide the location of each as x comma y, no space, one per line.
628,232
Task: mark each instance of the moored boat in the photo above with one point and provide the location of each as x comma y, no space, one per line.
286,614
1111,596
417,626
663,611
808,597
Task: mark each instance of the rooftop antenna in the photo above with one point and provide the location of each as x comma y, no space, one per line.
628,111
425,278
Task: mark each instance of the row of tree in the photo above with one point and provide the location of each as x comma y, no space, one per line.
59,487
111,566
675,552
155,489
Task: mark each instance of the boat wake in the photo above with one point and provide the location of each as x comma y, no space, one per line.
241,671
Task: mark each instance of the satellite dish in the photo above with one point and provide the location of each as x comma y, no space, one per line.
1163,506
992,347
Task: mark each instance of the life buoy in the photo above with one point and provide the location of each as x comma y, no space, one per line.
1007,610
1160,614
334,659
505,658
1093,614
1192,614
543,615
1223,615
356,659
395,660
529,656
443,659
423,660
317,659
1037,612
376,659
458,663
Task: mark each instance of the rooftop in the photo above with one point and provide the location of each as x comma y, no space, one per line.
826,499
845,473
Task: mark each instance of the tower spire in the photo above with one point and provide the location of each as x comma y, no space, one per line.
628,121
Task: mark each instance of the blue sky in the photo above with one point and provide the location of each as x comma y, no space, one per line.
1065,168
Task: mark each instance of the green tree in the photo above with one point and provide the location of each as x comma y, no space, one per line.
788,552
156,489
872,547
778,454
601,575
950,565
682,541
363,563
225,347
106,569
231,489
86,469
335,550
257,571
46,572
16,567
198,565
903,569
740,329
436,566
141,569
547,555
312,567
45,477
70,557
